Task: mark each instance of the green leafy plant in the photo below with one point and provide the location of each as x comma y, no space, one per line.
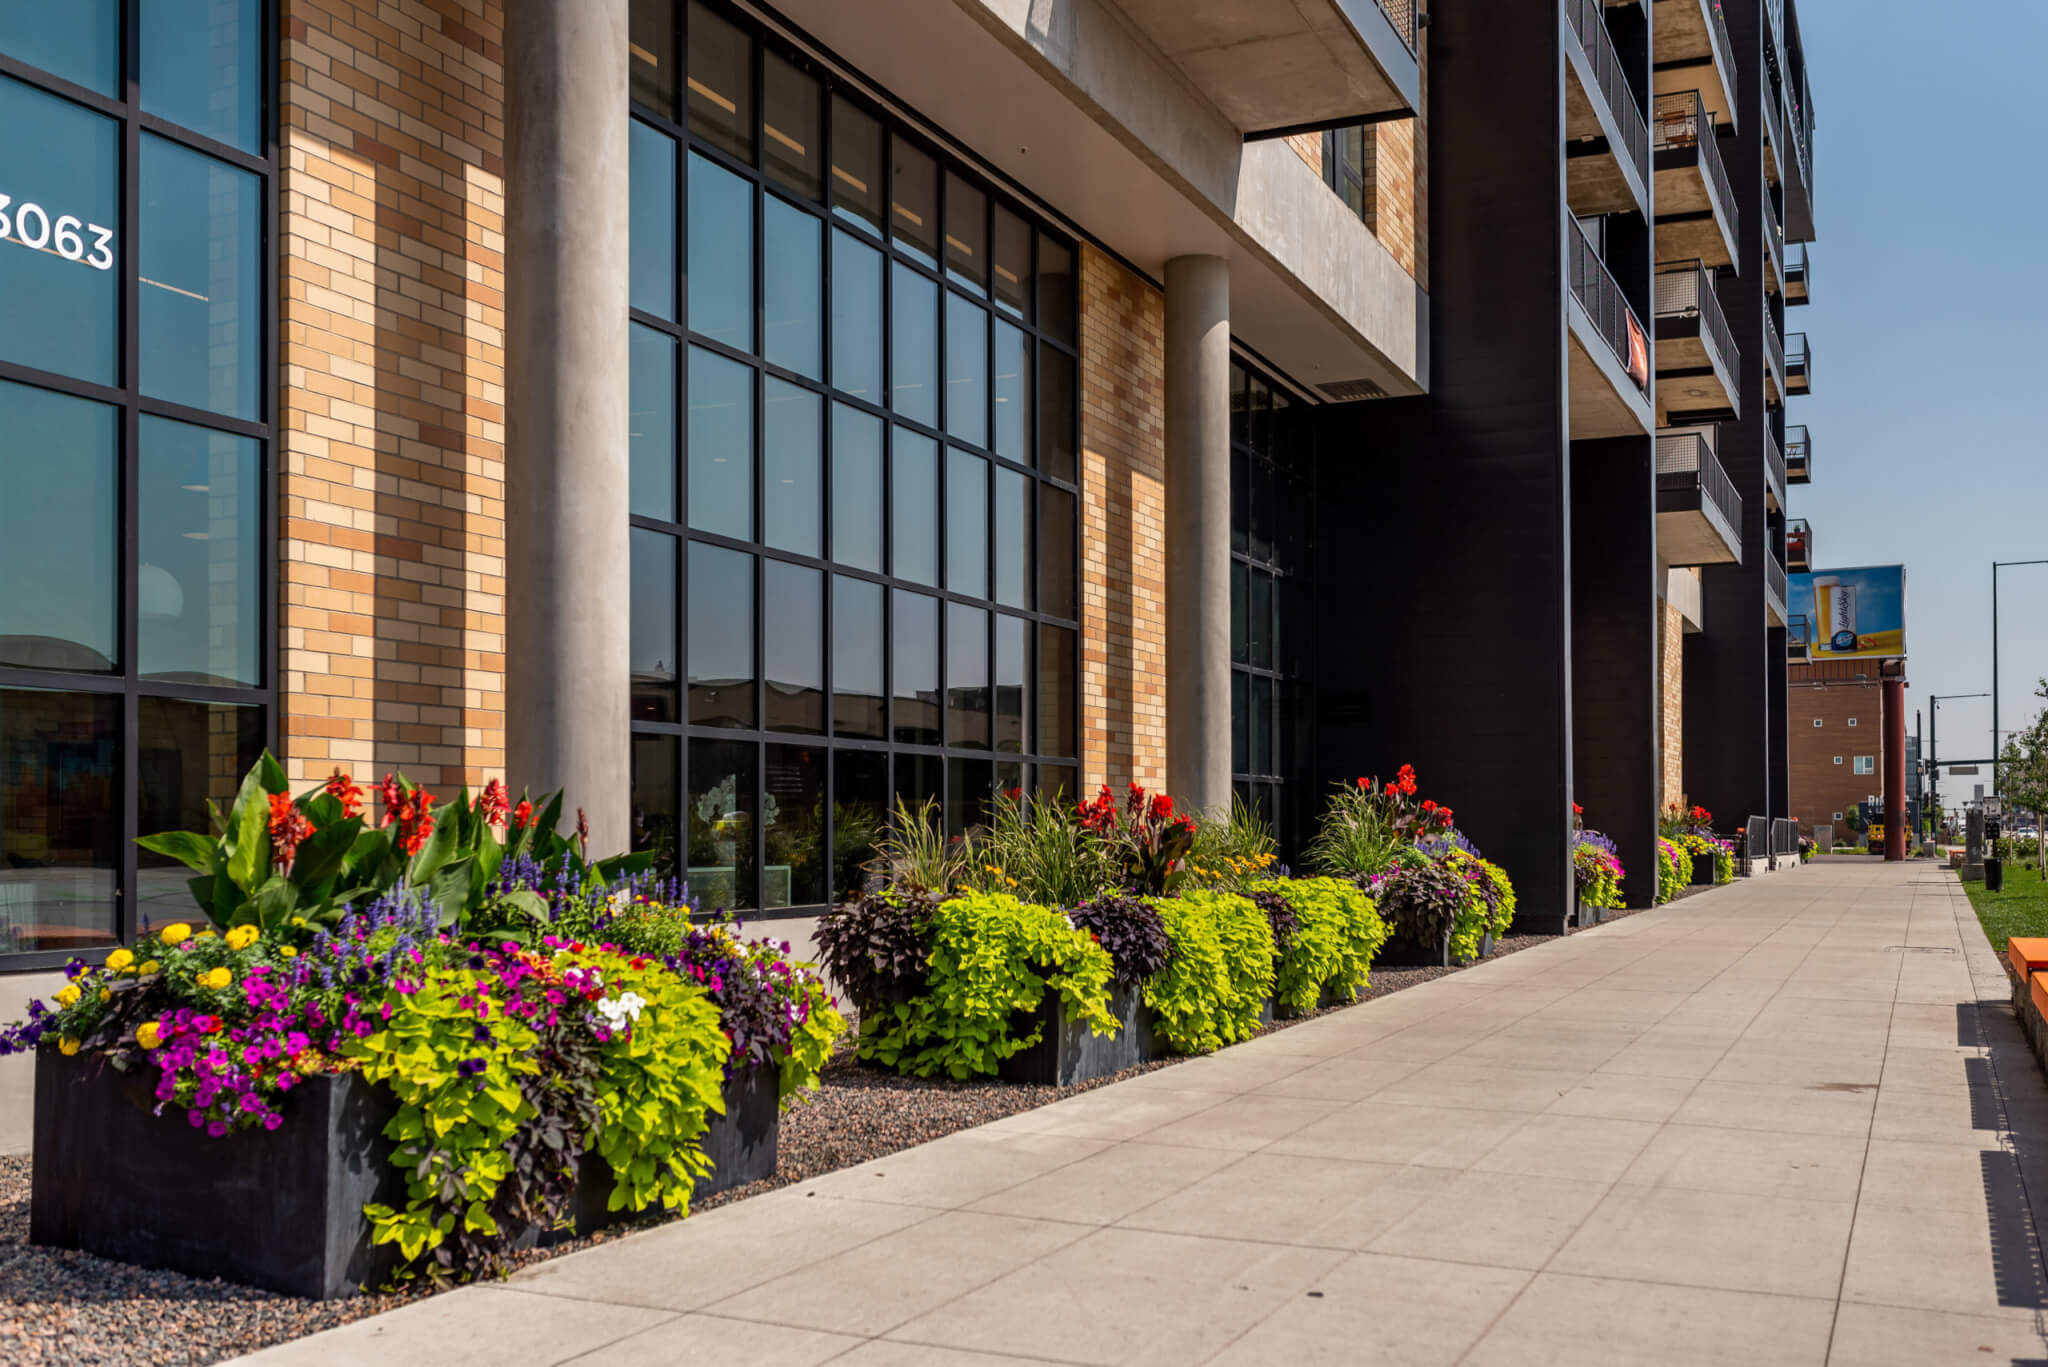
1131,930
1424,901
1234,853
993,960
877,947
1037,849
1338,931
1674,869
1214,989
914,854
1147,839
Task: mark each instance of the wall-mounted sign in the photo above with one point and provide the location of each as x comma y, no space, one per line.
31,225
1853,614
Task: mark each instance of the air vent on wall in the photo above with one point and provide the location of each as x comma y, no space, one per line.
1346,391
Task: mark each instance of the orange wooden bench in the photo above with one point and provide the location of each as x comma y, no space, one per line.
2027,956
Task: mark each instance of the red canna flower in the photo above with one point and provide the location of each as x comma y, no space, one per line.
288,828
491,806
522,815
1428,805
1162,808
394,798
345,789
416,821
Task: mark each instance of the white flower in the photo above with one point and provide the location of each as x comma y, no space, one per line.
618,1011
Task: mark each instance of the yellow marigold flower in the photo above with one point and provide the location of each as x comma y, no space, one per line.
204,934
148,1035
119,960
241,937
67,1046
298,921
287,952
148,967
216,978
67,995
106,994
176,934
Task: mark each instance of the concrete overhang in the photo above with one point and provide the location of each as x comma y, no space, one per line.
1085,117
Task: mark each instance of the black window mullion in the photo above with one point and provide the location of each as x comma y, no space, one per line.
127,893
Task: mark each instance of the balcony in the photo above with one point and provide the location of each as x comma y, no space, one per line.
1787,88
1796,269
1774,590
1798,639
1696,213
1607,142
1774,363
1610,351
1774,134
1774,472
1798,365
1694,51
1798,456
1798,546
1699,514
1774,245
1696,354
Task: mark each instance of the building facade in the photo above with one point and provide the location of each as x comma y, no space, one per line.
747,417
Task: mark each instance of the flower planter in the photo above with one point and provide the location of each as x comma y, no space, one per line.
1702,871
278,1209
1403,951
1332,996
1485,944
1068,1053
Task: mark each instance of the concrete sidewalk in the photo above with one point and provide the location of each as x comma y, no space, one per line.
1791,1121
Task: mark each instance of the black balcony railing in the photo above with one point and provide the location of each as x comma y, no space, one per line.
1799,545
1589,22
1688,292
1798,363
1774,465
1798,455
1798,272
1774,353
1689,453
1798,637
1683,121
1724,46
1604,303
1774,581
1401,14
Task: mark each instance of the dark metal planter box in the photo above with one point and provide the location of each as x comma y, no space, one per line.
1702,871
1068,1053
279,1209
1332,995
1404,951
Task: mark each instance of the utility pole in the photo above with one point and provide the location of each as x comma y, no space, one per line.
1934,703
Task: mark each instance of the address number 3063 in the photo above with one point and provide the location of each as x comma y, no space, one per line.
31,226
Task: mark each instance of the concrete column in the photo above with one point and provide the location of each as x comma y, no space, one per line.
567,580
1198,532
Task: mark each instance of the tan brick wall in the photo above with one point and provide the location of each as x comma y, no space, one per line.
1396,183
1309,147
1671,644
393,425
1123,442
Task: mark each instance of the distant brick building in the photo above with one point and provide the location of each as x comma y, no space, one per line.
1836,745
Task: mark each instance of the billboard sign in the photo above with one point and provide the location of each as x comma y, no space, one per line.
1852,614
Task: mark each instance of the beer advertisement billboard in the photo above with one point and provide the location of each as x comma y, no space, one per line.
1852,614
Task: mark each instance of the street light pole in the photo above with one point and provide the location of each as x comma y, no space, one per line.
1997,736
1934,702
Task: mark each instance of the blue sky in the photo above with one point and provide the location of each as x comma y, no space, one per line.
1929,330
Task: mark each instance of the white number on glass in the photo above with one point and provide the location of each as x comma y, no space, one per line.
102,258
70,245
42,235
6,224
30,225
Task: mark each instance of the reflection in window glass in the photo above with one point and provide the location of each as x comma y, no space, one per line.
187,755
1259,620
201,342
59,466
1013,684
857,516
793,447
914,217
966,523
970,787
1013,263
1058,783
857,658
793,825
656,799
721,636
60,764
1240,720
651,221
79,40
1057,724
1056,429
789,125
1013,394
651,50
1262,725
721,445
651,433
1013,539
202,67
1056,553
793,646
721,254
860,807
966,370
856,318
1240,613
916,668
793,290
914,346
914,507
721,83
1056,288
653,632
966,234
56,313
919,780
198,589
856,165
967,700
720,813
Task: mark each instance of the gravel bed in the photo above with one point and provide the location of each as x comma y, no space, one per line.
66,1309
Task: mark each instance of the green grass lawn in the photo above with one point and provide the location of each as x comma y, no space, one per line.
2022,909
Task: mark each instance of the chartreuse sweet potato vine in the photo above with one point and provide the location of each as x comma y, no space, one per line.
992,961
1213,991
1338,931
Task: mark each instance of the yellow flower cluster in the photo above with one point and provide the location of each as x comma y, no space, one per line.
241,937
68,995
1002,879
176,934
148,1035
216,978
119,960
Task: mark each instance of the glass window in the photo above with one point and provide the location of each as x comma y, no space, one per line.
914,219
651,221
966,523
60,217
721,445
1058,726
651,434
793,290
187,755
651,48
721,636
1057,432
1240,613
1013,394
793,646
966,234
1013,684
966,370
1240,722
793,447
1013,263
856,165
199,581
721,254
920,781
860,806
970,785
1013,539
720,811
789,126
857,513
857,639
916,668
59,530
1056,288
1262,725
79,40
793,826
653,634
1056,566
967,700
657,776
1260,620
60,766
856,318
721,83
914,507
914,346
202,67
201,336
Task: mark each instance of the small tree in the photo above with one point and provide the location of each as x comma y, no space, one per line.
2023,772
